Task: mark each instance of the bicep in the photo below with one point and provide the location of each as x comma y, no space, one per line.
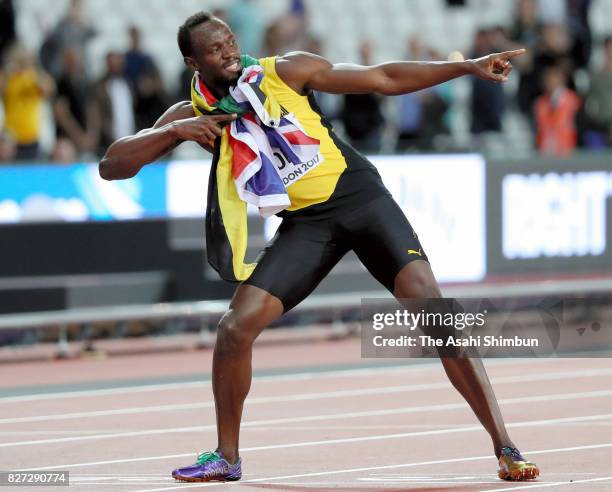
345,78
306,71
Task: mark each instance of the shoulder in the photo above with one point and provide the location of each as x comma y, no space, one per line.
297,67
300,61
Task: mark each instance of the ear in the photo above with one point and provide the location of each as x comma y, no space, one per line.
190,62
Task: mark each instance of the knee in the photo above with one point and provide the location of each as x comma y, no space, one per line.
419,286
234,335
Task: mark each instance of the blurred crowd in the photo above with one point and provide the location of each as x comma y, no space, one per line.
563,95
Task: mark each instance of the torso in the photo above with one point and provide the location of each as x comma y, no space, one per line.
22,103
345,178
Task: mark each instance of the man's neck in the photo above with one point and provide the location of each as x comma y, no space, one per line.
218,90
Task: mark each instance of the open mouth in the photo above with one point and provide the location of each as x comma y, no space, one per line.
233,66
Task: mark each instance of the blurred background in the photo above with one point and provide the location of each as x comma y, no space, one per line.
507,185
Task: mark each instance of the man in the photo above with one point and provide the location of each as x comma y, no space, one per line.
339,205
113,101
73,108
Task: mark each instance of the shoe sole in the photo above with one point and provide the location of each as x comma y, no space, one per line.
179,478
520,473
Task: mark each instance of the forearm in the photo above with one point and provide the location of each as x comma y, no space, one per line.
125,157
404,77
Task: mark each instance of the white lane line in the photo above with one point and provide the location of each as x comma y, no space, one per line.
331,373
314,418
547,376
391,484
145,388
382,467
53,432
529,423
550,484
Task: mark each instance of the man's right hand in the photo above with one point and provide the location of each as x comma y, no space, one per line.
202,129
126,156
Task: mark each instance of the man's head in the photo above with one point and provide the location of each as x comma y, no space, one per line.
115,63
209,46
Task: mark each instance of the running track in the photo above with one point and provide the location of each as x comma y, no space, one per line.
318,418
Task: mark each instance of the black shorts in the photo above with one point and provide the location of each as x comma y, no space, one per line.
303,252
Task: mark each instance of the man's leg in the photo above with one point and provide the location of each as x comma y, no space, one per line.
468,375
391,251
251,310
277,284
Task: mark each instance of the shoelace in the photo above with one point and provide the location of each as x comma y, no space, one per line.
206,457
512,452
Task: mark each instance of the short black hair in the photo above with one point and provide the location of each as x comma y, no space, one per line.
184,32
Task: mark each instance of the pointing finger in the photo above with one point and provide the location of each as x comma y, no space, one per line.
513,53
224,117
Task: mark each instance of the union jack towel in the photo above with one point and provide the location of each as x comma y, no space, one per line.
259,155
267,147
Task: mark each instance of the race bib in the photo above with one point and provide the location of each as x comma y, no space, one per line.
289,172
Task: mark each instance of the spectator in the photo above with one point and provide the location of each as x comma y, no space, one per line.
245,20
73,31
555,115
580,31
598,106
553,49
420,114
272,42
137,61
146,83
487,106
295,27
150,100
526,28
24,86
73,107
7,26
361,114
329,104
289,32
114,102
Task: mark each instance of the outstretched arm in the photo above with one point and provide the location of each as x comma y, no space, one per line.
304,71
125,157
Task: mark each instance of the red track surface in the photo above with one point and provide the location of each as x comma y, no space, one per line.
401,428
